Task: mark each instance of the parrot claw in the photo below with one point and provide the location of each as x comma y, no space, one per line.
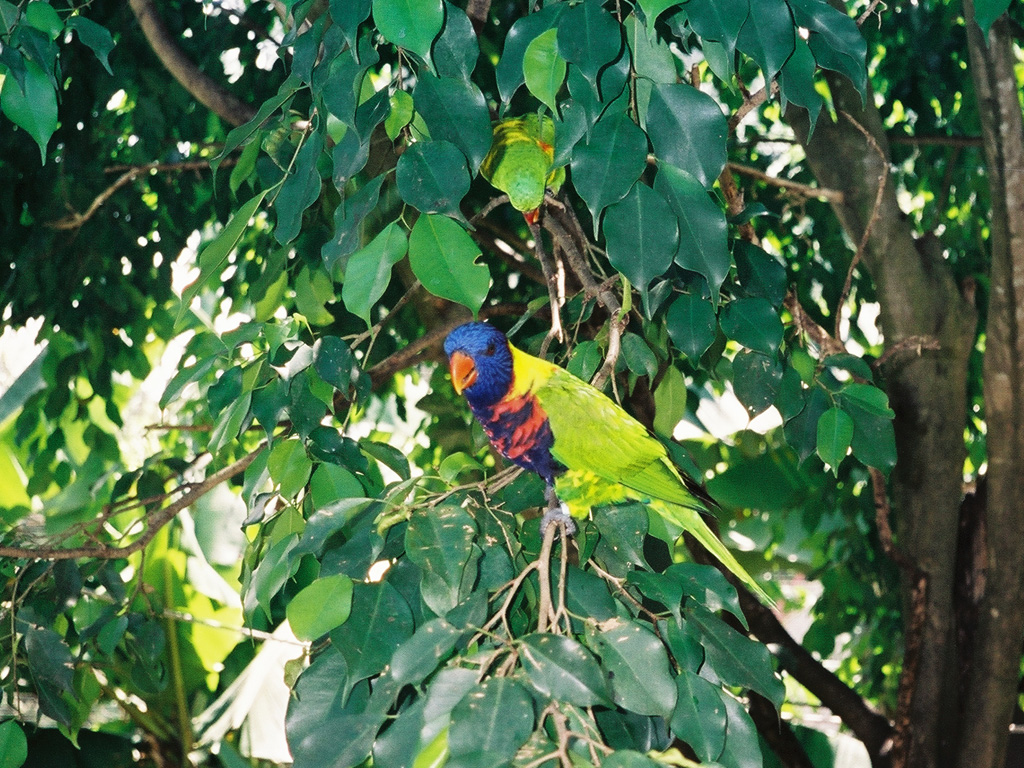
555,515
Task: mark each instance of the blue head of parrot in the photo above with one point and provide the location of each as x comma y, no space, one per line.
480,361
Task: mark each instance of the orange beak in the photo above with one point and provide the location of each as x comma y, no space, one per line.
463,371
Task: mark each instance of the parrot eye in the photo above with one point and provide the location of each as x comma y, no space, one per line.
489,352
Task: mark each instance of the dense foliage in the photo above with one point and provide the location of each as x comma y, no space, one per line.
307,459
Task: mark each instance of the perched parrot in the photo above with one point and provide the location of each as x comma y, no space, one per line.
519,162
586,448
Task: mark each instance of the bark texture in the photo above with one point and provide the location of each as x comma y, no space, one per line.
995,664
918,297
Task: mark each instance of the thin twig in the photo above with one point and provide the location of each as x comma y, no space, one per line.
153,523
867,13
876,212
545,613
555,286
804,190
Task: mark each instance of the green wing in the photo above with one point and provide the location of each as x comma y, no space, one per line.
593,433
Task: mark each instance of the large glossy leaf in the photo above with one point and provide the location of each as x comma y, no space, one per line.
289,466
443,257
455,111
702,227
50,662
95,36
605,165
13,745
561,668
835,434
347,15
409,24
669,401
421,654
641,235
700,716
687,129
456,49
796,83
368,272
320,607
611,89
742,746
432,177
654,8
738,660
589,37
874,438
760,273
639,667
835,39
493,721
987,11
544,69
802,430
691,324
383,623
300,190
718,20
340,80
441,542
753,323
756,379
768,35
348,218
33,109
509,71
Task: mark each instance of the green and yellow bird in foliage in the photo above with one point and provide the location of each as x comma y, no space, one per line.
587,449
520,162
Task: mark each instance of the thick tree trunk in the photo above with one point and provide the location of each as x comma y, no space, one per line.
995,665
918,297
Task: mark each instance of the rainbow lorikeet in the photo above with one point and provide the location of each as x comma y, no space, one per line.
587,449
520,160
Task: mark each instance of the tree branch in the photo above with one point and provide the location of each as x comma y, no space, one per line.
205,89
153,523
804,190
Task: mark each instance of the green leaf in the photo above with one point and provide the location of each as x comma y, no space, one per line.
330,483
40,15
802,430
691,324
229,423
796,83
702,227
756,380
687,130
457,49
333,361
652,57
51,665
760,273
410,24
320,607
718,20
699,717
289,466
384,623
300,189
35,109
96,37
669,402
13,745
638,356
400,115
605,166
754,323
243,133
313,290
544,70
611,89
348,219
874,439
641,236
585,360
654,8
441,542
738,660
835,39
343,80
742,746
708,586
454,464
455,111
368,272
560,668
628,758
421,654
589,37
987,11
213,258
768,35
348,15
493,721
443,257
432,177
868,398
638,665
509,70
835,433
388,455
623,528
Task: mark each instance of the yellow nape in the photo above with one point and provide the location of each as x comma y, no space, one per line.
581,490
528,373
